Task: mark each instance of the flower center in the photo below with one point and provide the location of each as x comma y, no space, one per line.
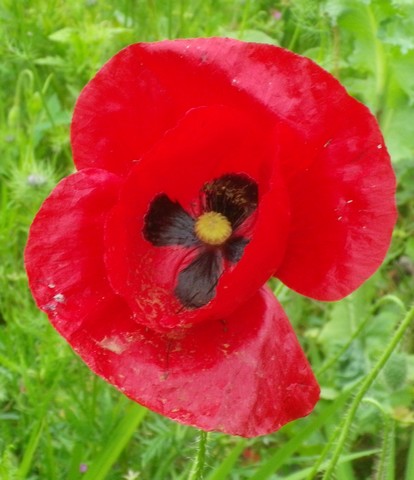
213,228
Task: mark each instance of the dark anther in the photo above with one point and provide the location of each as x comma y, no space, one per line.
233,195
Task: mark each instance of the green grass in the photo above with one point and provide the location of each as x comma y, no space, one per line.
56,417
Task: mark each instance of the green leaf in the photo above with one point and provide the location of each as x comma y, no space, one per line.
64,35
53,61
399,134
250,35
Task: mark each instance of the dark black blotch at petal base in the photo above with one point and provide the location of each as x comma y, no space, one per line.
197,282
167,223
234,248
233,195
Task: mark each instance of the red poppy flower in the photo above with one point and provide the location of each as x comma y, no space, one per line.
205,167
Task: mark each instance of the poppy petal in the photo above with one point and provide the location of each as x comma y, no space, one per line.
244,375
64,253
343,209
120,113
206,144
323,134
183,374
145,90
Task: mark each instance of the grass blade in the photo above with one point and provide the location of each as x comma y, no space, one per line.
343,460
30,450
409,472
225,467
283,453
119,439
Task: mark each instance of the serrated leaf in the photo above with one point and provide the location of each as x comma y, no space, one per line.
395,371
399,134
403,70
335,8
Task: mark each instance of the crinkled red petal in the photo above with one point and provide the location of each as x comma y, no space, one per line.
206,144
243,375
343,207
64,253
144,90
120,114
336,165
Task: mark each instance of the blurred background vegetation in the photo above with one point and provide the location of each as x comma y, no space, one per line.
57,420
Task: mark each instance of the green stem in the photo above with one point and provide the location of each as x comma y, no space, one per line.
409,471
294,37
386,467
317,465
366,384
379,58
200,458
126,426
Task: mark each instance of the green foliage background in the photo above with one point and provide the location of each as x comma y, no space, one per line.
56,418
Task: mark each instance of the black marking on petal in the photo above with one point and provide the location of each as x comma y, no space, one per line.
167,223
197,283
234,248
233,195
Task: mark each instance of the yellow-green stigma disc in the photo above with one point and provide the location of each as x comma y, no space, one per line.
213,228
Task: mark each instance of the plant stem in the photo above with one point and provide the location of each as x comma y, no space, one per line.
366,384
199,460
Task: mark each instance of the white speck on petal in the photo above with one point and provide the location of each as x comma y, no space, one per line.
379,146
50,307
113,344
59,297
51,285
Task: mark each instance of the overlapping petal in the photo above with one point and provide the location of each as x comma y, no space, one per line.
343,213
244,375
179,166
252,356
322,131
64,253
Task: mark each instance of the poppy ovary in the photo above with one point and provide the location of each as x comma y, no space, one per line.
213,228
